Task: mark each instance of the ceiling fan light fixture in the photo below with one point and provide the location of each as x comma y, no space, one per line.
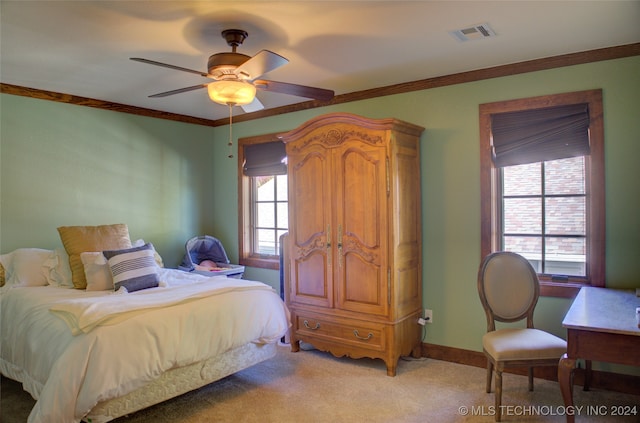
233,92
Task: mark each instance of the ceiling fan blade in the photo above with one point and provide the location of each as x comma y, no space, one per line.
264,61
294,89
165,65
254,106
179,90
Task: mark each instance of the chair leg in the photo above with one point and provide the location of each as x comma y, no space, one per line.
489,375
531,378
498,395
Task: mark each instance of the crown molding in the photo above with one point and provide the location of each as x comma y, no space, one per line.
571,59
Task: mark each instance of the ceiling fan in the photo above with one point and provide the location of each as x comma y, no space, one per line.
236,76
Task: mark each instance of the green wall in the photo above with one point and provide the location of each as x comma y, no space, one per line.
451,189
75,165
63,164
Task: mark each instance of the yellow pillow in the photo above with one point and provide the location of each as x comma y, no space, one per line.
81,239
1,275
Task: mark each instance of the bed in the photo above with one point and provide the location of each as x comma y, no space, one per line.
95,355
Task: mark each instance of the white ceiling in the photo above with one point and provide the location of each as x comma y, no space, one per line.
83,47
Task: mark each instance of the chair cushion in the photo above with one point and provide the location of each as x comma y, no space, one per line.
523,344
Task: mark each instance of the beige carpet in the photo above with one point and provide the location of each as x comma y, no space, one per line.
311,386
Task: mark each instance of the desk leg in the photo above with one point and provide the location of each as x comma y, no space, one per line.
565,379
587,375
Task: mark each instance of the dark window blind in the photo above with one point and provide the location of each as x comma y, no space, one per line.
265,159
537,135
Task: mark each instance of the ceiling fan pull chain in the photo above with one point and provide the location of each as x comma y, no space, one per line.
230,144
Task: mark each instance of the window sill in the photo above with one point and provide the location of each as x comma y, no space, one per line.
560,289
270,262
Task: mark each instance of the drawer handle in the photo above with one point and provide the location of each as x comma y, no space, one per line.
355,332
306,325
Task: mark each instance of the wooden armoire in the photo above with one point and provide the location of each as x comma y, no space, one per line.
352,266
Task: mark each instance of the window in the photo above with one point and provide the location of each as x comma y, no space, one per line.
542,186
269,219
262,175
544,216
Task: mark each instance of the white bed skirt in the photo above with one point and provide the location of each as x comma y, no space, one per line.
182,380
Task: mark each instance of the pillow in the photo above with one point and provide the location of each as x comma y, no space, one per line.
80,239
157,257
96,271
28,266
133,268
52,264
60,275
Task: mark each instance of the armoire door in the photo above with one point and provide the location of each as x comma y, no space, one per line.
360,220
310,237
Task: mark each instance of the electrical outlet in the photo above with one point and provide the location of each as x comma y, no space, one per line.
428,315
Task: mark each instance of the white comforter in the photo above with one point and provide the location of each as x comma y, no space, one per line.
114,354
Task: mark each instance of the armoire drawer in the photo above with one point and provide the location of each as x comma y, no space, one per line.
348,332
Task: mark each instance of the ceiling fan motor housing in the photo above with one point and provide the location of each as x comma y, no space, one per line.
221,64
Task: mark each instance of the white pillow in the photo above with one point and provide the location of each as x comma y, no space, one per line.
30,267
97,271
60,274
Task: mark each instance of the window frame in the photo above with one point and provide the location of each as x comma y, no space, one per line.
245,229
490,232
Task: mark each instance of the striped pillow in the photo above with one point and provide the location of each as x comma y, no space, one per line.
133,268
